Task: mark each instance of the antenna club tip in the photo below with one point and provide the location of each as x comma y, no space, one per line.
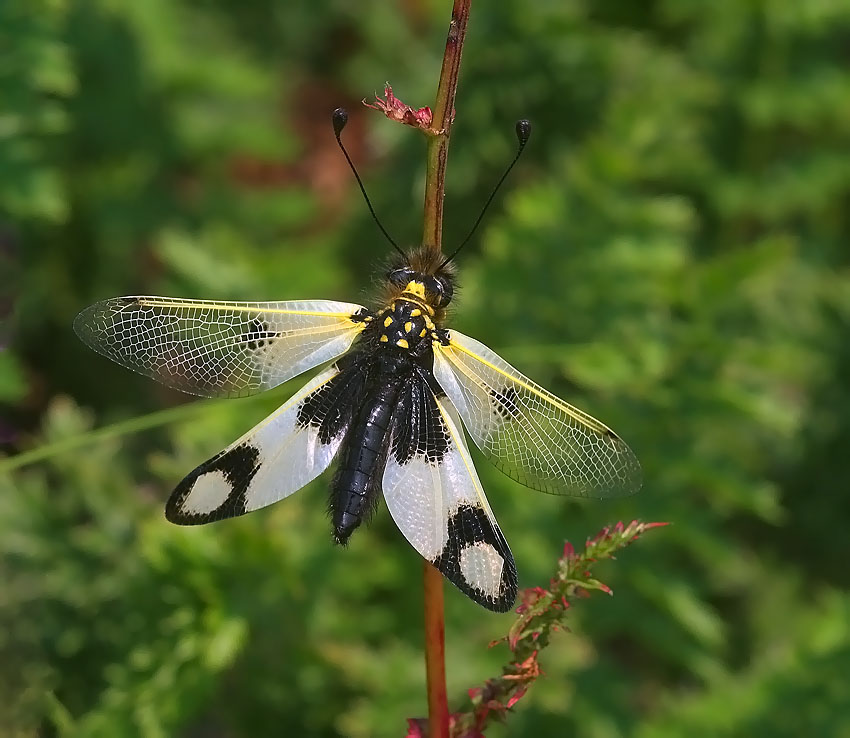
523,131
340,118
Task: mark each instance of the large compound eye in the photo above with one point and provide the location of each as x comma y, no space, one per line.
440,290
400,277
444,291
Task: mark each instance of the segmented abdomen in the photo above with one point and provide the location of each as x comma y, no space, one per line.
362,459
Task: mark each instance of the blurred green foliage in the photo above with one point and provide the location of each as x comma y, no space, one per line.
671,256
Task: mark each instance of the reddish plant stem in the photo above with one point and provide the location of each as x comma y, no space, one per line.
435,185
438,142
435,654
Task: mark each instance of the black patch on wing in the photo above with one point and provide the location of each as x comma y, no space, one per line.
257,334
443,336
331,407
239,465
505,403
361,316
418,428
470,525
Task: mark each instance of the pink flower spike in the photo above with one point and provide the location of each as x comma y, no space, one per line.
569,551
600,536
396,110
530,597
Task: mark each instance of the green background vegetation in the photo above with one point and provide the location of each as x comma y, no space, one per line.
671,256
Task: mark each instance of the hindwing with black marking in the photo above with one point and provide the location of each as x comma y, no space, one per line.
476,558
276,458
434,496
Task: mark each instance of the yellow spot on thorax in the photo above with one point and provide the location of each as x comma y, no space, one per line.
415,313
402,343
408,326
417,289
384,338
388,321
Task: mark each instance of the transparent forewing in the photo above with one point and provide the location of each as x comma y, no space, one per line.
530,434
219,349
434,495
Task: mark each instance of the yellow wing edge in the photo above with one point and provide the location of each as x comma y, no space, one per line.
573,412
234,307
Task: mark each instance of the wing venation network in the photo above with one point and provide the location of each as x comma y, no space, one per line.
219,349
530,434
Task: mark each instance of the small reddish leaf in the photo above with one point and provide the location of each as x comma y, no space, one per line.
417,728
396,110
517,696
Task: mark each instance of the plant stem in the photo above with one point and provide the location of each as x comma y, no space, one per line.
435,653
432,236
438,142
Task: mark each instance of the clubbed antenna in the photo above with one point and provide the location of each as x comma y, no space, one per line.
340,118
523,131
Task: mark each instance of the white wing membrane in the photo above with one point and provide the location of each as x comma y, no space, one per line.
436,500
529,433
271,461
218,349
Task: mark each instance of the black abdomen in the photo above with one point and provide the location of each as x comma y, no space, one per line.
362,459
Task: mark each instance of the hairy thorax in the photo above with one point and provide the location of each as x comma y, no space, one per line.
407,322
